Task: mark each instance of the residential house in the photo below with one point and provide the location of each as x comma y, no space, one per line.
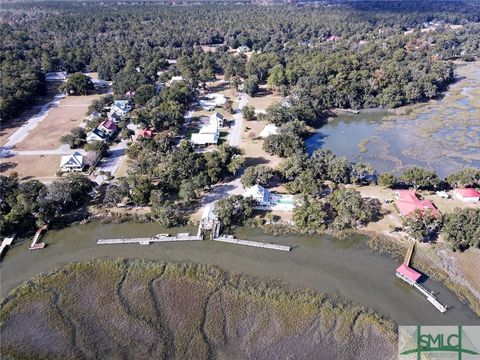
94,116
468,195
243,49
74,162
408,202
148,133
269,129
96,135
56,76
210,132
174,79
217,119
122,107
267,200
114,116
260,194
108,127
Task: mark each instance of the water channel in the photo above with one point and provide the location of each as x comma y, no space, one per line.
338,267
443,134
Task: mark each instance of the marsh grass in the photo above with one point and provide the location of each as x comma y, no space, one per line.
132,309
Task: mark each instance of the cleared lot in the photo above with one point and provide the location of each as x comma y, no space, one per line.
60,120
39,166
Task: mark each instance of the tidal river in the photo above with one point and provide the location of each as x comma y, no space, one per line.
442,134
338,267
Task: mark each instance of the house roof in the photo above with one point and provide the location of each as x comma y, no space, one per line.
408,272
217,115
74,160
204,138
408,202
149,133
468,192
97,133
109,125
257,192
56,75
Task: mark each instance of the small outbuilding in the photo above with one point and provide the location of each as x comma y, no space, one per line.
468,195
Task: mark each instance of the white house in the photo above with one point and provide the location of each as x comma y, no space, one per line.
96,135
212,101
204,139
94,116
174,79
56,76
210,132
217,119
269,129
468,195
243,49
122,107
74,162
114,116
260,194
269,201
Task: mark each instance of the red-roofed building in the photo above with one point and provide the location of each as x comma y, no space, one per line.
408,202
107,126
148,133
408,273
469,195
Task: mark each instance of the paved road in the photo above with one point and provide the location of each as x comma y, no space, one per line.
113,160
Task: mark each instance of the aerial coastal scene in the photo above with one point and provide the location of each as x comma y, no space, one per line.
240,179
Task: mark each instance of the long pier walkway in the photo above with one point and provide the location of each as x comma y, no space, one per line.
230,239
149,240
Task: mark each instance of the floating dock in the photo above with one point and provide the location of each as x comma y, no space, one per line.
231,240
149,240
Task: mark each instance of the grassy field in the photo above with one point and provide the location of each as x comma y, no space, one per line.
36,166
120,309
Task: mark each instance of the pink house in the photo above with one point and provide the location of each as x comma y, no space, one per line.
408,202
107,126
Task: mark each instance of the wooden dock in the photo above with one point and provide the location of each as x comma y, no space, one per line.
35,245
409,254
231,240
148,240
430,297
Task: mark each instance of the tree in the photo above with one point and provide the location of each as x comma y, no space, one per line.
75,139
235,82
283,145
311,215
461,229
251,85
276,77
228,106
248,112
464,178
143,94
351,208
77,84
422,225
387,180
234,210
98,147
259,174
420,178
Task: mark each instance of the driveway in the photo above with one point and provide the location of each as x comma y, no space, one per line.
233,137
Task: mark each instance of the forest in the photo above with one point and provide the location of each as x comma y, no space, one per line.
344,54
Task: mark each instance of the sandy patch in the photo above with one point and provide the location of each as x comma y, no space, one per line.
42,167
262,100
253,147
